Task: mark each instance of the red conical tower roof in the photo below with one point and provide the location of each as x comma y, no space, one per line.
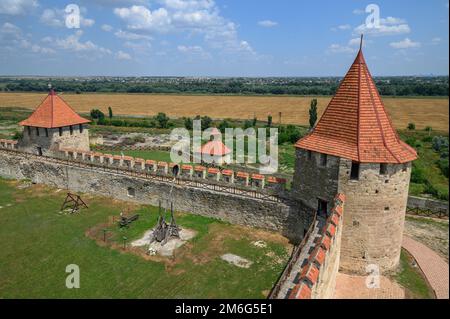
356,126
53,112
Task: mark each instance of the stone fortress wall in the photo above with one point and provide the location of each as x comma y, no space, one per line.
244,206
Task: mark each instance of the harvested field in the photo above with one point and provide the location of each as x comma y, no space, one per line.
423,112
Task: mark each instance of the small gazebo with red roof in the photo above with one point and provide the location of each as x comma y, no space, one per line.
214,152
52,126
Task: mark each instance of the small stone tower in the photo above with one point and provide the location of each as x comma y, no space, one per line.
355,150
54,125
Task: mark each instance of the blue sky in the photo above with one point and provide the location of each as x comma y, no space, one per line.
221,38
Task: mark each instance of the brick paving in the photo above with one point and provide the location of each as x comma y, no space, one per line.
354,287
433,266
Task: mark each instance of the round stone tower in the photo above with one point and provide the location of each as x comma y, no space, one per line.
54,125
355,150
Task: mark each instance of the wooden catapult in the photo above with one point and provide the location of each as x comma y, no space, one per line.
163,230
73,202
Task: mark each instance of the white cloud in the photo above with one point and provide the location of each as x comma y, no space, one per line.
73,43
436,41
188,4
11,36
17,7
141,18
342,27
192,17
388,26
405,44
107,28
123,56
57,18
131,35
195,50
267,23
337,48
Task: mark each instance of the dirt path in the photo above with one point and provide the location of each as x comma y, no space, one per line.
432,265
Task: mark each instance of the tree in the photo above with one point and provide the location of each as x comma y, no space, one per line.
162,120
206,122
428,129
188,123
255,120
269,121
110,112
313,113
96,114
224,125
411,126
247,124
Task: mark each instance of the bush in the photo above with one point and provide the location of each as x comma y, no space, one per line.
440,143
418,175
443,166
96,114
411,126
17,135
139,139
162,120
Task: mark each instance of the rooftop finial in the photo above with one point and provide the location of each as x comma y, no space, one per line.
361,43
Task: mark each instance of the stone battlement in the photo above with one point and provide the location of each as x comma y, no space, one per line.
317,278
212,175
8,144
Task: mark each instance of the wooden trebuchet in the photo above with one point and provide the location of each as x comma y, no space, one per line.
74,202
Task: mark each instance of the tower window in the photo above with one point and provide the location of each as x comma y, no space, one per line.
46,132
60,131
405,168
29,130
354,173
81,128
37,131
323,159
383,169
309,155
71,129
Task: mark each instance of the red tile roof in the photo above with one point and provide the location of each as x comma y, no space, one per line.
325,242
242,175
319,255
301,291
53,112
258,177
355,124
227,172
335,219
215,148
310,272
213,170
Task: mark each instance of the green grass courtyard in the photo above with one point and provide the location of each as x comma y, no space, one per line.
39,242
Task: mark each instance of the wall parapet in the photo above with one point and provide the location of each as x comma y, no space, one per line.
8,144
317,277
113,166
269,184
